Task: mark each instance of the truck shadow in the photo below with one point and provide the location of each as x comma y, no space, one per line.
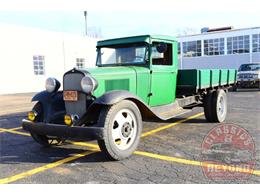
39,155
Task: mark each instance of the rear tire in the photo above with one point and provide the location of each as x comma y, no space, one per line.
122,124
219,106
43,139
208,106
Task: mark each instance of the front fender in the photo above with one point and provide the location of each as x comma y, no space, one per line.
42,96
115,96
112,97
53,104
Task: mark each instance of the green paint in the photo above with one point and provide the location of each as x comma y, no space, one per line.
154,83
214,80
206,78
119,84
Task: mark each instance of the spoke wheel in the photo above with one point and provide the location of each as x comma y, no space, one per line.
124,129
122,124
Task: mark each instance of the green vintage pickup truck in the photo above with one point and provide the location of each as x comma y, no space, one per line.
136,79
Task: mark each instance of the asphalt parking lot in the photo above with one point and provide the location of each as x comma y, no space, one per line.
169,152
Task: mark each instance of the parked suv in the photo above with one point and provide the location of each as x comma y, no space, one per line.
248,76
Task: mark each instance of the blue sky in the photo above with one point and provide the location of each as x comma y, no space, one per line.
116,23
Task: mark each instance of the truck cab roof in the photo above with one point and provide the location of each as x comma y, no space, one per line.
135,39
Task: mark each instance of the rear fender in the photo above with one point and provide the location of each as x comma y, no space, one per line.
53,105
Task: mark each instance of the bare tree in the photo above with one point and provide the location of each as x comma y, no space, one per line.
95,32
186,31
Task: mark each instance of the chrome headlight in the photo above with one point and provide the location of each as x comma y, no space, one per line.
52,85
88,84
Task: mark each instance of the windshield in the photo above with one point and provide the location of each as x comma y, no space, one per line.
119,55
249,67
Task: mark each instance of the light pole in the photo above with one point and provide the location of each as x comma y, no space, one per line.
86,26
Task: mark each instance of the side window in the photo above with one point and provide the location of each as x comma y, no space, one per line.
161,53
39,65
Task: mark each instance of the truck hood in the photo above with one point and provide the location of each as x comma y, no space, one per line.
109,71
114,78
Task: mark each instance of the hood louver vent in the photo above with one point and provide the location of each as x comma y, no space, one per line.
120,84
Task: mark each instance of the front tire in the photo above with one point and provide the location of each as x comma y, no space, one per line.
122,124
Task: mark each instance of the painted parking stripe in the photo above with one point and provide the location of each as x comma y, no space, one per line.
145,134
13,129
44,168
174,159
177,160
197,163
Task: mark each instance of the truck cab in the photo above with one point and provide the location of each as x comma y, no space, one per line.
149,58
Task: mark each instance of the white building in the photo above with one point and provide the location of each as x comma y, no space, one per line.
219,48
28,56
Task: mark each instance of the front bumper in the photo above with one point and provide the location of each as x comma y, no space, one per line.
63,130
248,84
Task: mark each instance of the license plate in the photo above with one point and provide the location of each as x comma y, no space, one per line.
70,96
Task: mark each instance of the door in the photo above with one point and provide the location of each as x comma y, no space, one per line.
163,73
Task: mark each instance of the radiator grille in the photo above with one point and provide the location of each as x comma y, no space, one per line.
71,81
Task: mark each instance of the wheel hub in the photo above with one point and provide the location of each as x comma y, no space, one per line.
126,129
221,106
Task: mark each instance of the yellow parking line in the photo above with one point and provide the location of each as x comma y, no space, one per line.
94,146
177,160
170,125
197,163
16,128
169,158
15,131
44,167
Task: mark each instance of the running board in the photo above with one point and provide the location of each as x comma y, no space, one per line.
169,111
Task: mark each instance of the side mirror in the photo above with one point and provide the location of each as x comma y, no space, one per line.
161,47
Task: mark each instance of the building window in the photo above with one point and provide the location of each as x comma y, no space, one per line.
39,65
192,48
214,47
239,44
256,43
80,62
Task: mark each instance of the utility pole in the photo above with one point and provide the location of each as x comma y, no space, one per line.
86,26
